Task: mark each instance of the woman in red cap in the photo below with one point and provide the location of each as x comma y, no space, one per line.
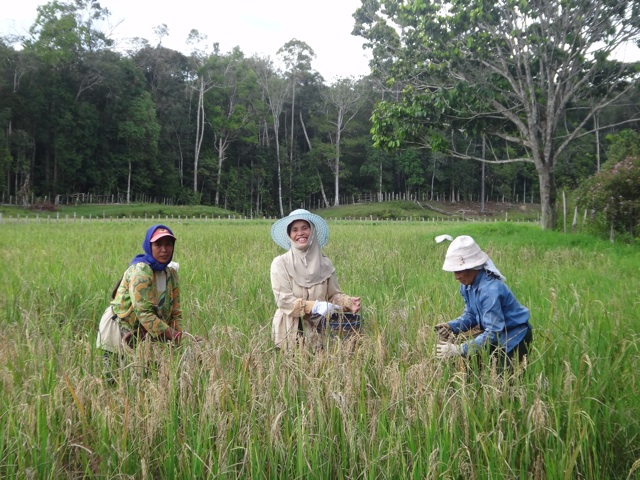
146,301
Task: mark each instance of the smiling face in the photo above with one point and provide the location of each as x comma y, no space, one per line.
162,249
466,277
299,233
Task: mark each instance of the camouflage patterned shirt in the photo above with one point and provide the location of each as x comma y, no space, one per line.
139,304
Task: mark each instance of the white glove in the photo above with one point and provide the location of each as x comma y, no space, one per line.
445,350
322,308
174,265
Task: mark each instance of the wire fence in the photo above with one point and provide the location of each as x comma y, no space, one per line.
57,218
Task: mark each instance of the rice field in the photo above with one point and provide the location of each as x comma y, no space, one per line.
231,407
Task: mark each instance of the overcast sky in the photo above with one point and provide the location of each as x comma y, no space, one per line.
256,26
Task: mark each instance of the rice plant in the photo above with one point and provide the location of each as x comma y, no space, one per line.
232,407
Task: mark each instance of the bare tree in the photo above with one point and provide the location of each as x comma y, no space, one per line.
297,56
201,84
274,92
344,98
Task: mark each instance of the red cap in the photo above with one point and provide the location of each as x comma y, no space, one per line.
159,233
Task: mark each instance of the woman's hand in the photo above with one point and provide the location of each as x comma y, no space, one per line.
444,331
173,336
355,304
446,350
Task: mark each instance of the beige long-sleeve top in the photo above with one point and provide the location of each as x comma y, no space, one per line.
295,302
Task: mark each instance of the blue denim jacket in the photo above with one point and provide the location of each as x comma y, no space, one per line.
490,304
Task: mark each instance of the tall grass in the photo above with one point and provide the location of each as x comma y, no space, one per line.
231,407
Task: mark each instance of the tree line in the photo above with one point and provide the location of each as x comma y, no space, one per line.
257,136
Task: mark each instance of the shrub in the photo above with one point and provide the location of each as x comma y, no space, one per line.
615,194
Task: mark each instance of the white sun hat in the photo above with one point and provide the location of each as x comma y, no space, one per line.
281,236
463,254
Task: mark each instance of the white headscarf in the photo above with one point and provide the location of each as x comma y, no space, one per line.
308,266
491,268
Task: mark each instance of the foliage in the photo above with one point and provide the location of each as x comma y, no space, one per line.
79,117
613,194
132,210
511,71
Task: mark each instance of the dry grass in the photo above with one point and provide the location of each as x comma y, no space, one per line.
230,406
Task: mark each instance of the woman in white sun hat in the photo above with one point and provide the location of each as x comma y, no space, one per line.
304,281
489,305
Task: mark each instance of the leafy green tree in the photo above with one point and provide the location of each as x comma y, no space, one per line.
65,50
576,163
63,30
230,106
613,194
377,167
166,71
410,165
507,69
140,133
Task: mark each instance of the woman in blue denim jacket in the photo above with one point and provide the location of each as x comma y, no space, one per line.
489,305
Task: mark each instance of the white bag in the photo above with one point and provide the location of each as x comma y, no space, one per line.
109,337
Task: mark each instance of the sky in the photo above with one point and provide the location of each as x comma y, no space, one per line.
256,26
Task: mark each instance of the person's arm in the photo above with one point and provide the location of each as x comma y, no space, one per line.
144,300
464,322
467,320
492,320
283,292
335,296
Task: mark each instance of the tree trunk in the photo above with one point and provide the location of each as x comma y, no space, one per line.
129,184
222,148
279,170
596,121
380,183
482,193
306,136
337,165
548,220
199,133
324,195
181,160
433,178
293,118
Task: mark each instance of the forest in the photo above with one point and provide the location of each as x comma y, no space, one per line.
236,131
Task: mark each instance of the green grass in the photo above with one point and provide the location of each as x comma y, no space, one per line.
433,210
230,407
142,210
